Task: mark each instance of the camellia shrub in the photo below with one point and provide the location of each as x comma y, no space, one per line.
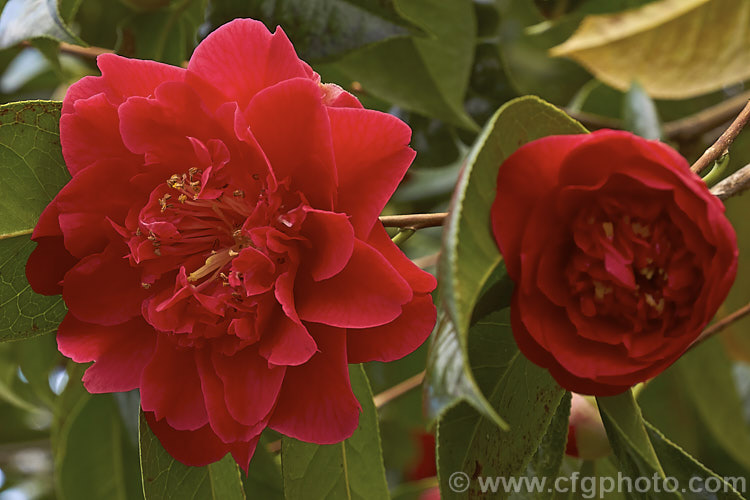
344,249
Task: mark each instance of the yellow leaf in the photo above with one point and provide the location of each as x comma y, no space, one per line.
675,49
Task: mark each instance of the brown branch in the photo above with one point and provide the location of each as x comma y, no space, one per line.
77,50
414,221
736,183
398,390
722,143
688,128
682,130
722,324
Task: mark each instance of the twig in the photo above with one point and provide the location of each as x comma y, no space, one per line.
736,183
427,260
722,143
722,324
688,128
397,390
414,221
682,130
77,50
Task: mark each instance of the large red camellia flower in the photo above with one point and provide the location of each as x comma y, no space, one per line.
619,253
218,246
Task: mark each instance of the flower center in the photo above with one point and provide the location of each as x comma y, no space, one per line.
634,270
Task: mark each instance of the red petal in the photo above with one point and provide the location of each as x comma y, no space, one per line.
396,339
93,196
194,448
372,156
242,58
104,289
251,386
171,387
121,352
286,342
224,425
421,281
368,292
161,126
48,264
539,160
90,132
291,125
121,78
332,242
316,403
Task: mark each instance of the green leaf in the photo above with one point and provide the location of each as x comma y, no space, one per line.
706,372
524,394
94,457
167,35
25,19
30,161
683,468
640,115
470,255
427,74
352,469
263,478
676,38
525,56
630,442
548,458
166,478
320,29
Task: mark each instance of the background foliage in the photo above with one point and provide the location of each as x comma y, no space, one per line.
445,67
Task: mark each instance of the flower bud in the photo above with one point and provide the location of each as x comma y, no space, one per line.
587,438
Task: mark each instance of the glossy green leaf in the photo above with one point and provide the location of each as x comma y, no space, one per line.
352,469
470,255
320,29
684,468
94,457
25,19
427,74
630,442
31,162
706,372
166,478
524,394
639,113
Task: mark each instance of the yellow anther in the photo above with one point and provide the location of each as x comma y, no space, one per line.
609,230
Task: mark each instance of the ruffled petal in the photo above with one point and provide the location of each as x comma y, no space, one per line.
331,243
120,352
171,387
395,339
48,264
539,160
251,385
104,289
420,281
290,123
368,292
242,58
372,155
316,403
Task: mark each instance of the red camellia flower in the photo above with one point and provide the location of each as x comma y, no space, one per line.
619,253
218,246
